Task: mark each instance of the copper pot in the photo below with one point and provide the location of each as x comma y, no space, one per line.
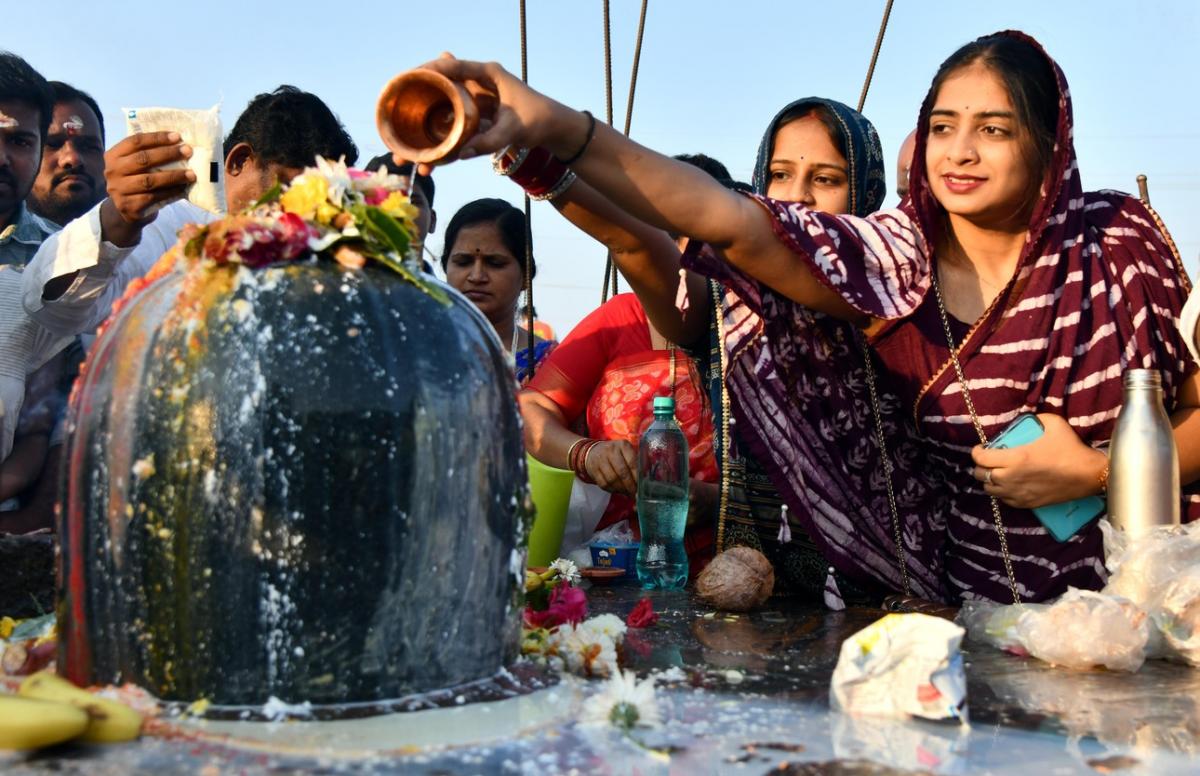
425,117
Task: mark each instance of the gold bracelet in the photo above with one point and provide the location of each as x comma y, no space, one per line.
1104,479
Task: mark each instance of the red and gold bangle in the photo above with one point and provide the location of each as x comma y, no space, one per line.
536,170
577,458
571,452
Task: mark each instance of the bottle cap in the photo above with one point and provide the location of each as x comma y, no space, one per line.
1142,378
664,404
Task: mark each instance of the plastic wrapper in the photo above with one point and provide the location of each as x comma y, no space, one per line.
1142,569
200,129
1177,617
1082,629
904,665
995,624
1085,629
584,511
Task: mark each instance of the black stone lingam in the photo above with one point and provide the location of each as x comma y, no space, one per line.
300,482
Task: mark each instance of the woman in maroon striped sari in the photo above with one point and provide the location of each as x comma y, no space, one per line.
1045,293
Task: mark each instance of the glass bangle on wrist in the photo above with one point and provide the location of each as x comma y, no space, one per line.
534,169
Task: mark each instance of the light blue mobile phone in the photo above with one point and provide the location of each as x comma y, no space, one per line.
1062,520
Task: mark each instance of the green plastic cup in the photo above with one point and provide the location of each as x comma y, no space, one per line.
551,491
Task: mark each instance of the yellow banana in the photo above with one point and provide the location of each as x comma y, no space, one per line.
28,723
109,721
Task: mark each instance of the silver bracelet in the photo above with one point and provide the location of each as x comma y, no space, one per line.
563,184
518,160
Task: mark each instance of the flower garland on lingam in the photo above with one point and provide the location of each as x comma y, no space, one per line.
327,211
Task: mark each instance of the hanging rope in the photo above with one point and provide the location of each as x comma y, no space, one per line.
887,12
610,267
528,225
637,58
608,66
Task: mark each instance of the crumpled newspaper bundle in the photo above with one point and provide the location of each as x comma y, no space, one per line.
904,665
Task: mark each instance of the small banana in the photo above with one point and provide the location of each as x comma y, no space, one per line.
28,723
533,581
109,721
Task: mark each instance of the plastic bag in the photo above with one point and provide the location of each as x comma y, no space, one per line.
1084,629
1178,615
616,535
1142,569
995,624
902,665
200,129
584,511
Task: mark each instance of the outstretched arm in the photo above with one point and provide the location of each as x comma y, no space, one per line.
648,259
655,189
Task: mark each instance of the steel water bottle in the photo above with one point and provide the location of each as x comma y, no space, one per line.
1143,480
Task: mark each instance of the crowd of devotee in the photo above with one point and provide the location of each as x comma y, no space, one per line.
837,368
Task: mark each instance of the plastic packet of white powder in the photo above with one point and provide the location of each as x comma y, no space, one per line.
200,129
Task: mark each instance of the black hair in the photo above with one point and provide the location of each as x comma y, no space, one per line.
713,168
1031,84
406,169
706,163
67,93
825,115
292,128
509,221
19,82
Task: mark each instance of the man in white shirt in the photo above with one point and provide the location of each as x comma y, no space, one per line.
78,273
26,104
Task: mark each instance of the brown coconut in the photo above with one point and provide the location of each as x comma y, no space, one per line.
737,580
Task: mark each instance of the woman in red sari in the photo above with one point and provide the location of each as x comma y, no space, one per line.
603,378
998,287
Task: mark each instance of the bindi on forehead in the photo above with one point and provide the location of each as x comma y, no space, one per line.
7,121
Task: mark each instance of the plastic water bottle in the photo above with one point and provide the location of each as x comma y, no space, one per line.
662,500
1143,480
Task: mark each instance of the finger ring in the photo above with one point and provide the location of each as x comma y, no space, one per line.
987,478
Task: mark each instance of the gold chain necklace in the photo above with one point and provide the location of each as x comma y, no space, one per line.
723,510
962,380
887,462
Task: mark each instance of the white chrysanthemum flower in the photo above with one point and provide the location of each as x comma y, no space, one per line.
567,570
609,625
380,178
584,651
624,702
338,177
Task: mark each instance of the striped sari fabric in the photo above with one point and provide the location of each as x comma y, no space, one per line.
1098,290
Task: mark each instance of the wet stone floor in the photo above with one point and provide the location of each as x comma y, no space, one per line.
740,694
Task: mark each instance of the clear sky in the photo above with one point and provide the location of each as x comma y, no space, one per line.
712,74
